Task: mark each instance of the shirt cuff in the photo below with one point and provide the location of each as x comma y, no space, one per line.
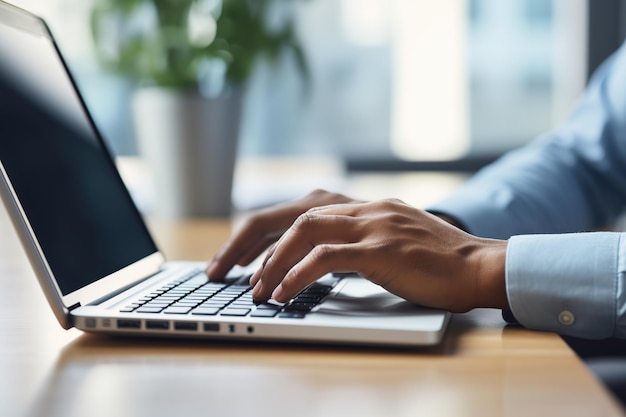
565,283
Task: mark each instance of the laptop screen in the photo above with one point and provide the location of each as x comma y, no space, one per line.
75,201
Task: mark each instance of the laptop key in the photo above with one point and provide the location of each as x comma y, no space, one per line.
269,306
308,298
194,298
292,315
185,304
213,303
157,305
149,309
241,302
177,310
267,312
304,307
206,311
235,312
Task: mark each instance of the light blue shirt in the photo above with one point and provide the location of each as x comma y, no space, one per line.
546,197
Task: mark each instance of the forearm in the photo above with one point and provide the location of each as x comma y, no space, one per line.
540,189
572,179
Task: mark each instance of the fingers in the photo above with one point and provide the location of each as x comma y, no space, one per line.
254,236
247,244
320,261
258,248
257,276
310,237
263,229
410,253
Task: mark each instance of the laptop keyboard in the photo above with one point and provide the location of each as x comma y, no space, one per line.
199,297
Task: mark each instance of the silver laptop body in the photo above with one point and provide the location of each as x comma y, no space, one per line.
92,252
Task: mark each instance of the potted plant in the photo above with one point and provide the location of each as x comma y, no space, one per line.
190,60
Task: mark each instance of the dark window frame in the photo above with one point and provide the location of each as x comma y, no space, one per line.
606,29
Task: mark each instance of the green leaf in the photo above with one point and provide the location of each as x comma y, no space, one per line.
162,53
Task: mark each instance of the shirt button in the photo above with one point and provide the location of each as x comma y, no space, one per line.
566,318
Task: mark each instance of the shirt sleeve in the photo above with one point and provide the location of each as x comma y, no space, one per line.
569,180
572,284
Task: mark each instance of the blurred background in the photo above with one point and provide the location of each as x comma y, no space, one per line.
387,84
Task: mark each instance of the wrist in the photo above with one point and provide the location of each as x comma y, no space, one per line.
491,272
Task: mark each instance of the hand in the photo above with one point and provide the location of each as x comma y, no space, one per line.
407,251
264,228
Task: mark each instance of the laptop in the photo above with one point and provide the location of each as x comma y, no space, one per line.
92,253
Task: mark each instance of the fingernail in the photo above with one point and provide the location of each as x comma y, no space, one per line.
258,287
210,269
278,293
255,278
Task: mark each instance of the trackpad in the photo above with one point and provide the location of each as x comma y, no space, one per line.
362,288
358,296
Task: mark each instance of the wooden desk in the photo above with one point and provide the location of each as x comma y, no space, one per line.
481,369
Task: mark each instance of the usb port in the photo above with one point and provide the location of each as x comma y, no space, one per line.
128,324
157,325
211,327
185,325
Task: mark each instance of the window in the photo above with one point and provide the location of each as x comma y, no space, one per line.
409,79
423,80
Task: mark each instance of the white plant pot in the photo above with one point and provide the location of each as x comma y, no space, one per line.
190,144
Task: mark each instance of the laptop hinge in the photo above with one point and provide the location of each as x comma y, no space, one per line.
74,307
